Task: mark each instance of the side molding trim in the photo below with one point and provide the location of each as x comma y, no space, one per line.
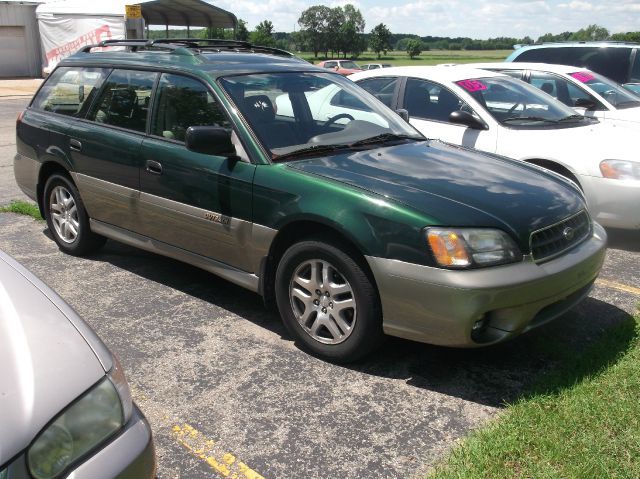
241,278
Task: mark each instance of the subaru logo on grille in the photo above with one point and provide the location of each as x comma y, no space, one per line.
568,233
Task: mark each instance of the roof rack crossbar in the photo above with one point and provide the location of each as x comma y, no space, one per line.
198,41
192,45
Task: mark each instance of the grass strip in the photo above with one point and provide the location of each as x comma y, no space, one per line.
23,208
581,421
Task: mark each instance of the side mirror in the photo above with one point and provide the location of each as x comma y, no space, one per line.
585,103
404,114
465,118
210,140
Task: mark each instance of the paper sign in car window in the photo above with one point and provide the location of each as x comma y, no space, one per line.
583,77
472,85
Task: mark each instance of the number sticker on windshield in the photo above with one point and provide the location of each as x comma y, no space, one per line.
472,85
583,77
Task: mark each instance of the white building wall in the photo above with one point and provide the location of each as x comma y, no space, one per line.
20,52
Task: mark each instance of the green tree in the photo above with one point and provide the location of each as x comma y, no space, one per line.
314,21
333,33
591,33
414,47
263,34
351,39
242,33
380,38
626,37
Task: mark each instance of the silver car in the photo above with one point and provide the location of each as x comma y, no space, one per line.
65,406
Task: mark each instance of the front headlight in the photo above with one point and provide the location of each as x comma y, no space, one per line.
620,169
91,420
462,248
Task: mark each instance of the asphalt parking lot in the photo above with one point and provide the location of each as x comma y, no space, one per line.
228,394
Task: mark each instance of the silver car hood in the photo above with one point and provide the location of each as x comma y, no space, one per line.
48,357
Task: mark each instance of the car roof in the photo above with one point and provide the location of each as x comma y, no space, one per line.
215,60
579,44
549,67
441,73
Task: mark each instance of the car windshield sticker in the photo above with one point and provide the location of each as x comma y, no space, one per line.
583,77
472,85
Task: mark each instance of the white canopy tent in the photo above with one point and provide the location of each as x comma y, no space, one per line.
67,25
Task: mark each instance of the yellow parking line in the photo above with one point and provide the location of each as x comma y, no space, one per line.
205,449
618,286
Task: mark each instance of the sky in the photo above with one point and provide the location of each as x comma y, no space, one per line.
478,19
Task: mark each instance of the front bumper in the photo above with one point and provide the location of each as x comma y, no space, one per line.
440,306
613,203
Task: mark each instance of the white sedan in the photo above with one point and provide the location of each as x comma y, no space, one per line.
587,92
499,114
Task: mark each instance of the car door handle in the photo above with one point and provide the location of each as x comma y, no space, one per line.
154,167
75,145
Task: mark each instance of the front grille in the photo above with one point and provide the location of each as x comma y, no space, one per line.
555,239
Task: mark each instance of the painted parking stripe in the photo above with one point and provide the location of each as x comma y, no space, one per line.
620,287
224,463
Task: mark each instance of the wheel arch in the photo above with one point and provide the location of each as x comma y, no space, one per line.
556,167
46,170
300,230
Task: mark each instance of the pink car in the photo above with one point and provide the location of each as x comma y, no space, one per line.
343,67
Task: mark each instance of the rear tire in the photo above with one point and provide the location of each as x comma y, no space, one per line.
67,218
327,302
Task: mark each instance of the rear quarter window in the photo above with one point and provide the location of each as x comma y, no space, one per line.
70,90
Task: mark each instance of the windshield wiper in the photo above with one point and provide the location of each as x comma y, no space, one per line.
627,104
573,117
382,137
310,149
529,118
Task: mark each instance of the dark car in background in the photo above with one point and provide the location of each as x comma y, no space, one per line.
619,61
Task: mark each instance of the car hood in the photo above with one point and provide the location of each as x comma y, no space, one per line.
456,186
624,114
45,360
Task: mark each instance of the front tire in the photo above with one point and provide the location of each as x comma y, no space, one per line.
67,218
327,302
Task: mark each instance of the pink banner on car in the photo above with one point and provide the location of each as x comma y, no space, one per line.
472,85
583,77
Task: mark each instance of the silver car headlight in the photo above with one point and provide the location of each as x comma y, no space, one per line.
463,248
90,421
620,169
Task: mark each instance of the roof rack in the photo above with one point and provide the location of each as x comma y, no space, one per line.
193,45
605,42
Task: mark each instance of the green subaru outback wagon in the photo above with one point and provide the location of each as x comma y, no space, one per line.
295,183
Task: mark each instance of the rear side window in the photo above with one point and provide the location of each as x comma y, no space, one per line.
430,101
182,102
610,62
562,89
70,90
124,101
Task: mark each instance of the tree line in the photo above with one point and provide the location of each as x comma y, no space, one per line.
340,31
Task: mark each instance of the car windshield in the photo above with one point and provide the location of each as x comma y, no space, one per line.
515,103
351,65
297,113
608,89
